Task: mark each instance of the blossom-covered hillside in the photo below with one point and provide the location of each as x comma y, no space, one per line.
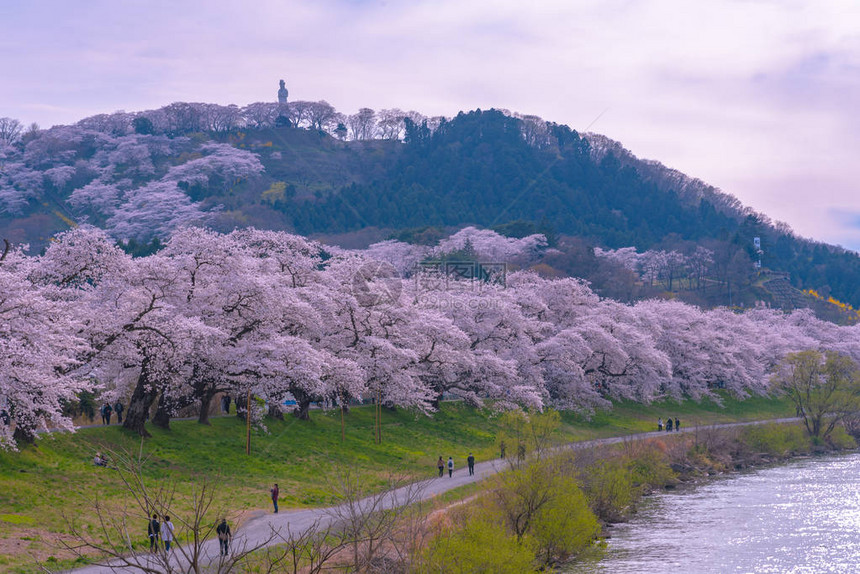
305,168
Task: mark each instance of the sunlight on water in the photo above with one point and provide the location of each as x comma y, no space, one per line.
800,518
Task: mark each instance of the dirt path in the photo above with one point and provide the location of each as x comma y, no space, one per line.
261,527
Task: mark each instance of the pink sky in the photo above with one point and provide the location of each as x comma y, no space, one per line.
758,98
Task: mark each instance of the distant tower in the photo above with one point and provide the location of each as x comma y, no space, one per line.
758,250
282,94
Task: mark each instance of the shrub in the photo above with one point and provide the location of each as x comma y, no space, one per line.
779,440
609,488
650,467
840,439
563,527
481,544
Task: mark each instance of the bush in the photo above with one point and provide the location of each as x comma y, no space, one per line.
564,526
773,439
650,467
840,439
609,488
481,544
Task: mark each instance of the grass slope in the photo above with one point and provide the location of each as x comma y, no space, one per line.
53,479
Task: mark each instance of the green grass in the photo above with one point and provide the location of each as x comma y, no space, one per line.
45,482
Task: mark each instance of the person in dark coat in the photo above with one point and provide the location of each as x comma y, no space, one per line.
677,424
153,529
502,450
440,464
471,462
669,424
106,411
118,408
224,535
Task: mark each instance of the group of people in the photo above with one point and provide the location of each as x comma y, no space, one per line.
441,465
669,426
101,460
160,530
166,532
106,410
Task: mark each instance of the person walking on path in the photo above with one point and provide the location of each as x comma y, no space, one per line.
118,408
471,462
275,492
502,450
440,464
677,424
450,467
105,412
660,424
153,530
167,531
669,424
224,535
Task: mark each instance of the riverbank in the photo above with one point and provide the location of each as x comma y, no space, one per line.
603,487
53,480
800,515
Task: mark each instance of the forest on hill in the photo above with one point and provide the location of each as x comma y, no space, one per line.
303,167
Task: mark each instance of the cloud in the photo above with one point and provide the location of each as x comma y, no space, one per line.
740,93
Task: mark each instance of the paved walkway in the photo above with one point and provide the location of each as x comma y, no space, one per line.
262,526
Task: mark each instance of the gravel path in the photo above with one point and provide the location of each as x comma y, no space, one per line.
262,525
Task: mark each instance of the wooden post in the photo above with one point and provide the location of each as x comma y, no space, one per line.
379,416
248,423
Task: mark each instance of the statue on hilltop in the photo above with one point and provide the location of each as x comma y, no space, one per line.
282,94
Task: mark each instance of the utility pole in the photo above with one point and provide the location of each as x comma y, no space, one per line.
248,423
378,416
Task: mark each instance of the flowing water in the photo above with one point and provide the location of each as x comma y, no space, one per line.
801,517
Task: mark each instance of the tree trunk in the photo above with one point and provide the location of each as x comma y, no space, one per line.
275,412
303,404
241,399
161,418
168,407
436,401
205,405
139,405
23,435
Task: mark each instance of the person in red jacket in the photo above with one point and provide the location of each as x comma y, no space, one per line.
275,492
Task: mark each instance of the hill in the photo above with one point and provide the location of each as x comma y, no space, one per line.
517,175
56,478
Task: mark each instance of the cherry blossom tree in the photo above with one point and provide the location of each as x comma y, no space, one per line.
39,349
492,247
154,210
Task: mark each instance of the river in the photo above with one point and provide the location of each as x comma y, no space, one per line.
800,517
